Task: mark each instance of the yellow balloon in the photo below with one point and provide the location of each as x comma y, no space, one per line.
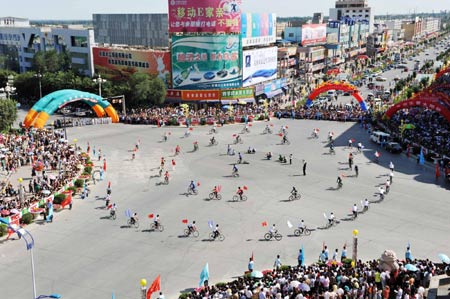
20,180
355,232
143,282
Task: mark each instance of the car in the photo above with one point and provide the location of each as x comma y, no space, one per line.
381,79
394,147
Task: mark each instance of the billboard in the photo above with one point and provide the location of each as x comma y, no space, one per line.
206,62
121,62
259,65
211,16
314,34
258,29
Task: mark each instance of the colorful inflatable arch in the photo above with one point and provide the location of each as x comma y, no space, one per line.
346,87
421,100
41,111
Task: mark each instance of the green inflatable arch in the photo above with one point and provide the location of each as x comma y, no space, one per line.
41,111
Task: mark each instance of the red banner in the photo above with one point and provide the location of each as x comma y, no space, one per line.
199,95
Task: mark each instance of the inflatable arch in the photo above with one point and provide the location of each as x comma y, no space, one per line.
442,72
336,86
41,111
422,100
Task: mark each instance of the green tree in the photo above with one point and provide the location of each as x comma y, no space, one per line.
157,91
50,61
8,114
27,87
140,87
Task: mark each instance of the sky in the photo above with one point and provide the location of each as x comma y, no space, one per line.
83,9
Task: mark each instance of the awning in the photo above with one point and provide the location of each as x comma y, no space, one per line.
273,93
209,101
228,102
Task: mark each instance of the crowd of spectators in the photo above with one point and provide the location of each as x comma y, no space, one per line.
51,160
367,280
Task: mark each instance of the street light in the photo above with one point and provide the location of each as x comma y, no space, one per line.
8,89
39,76
143,283
99,80
355,245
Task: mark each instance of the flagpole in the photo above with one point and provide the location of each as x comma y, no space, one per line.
143,283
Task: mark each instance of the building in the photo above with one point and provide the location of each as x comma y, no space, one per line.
19,42
148,30
431,27
395,31
412,29
355,9
317,18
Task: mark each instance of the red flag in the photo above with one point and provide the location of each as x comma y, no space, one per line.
281,134
109,184
198,184
250,125
185,221
156,286
287,127
318,130
150,215
438,173
252,257
109,206
245,188
264,223
104,165
234,135
219,188
191,129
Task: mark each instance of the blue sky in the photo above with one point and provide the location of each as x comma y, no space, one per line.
83,9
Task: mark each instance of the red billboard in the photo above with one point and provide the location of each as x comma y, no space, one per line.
122,62
314,34
205,16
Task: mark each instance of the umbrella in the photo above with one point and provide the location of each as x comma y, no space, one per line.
444,258
304,287
46,192
15,211
256,274
411,267
4,212
295,283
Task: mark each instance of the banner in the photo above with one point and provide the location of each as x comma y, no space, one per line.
258,29
314,34
259,65
243,93
212,16
121,62
200,95
206,62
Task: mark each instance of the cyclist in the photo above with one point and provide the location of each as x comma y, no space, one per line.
301,226
377,157
177,150
195,145
161,169
330,136
238,138
113,209
294,192
134,218
269,155
331,219
156,221
267,129
192,227
235,170
339,182
360,146
216,231
163,161
108,199
355,211
192,186
273,230
240,192
212,140
215,190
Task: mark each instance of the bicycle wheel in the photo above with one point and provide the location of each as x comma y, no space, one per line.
195,233
297,232
161,228
114,216
278,237
152,226
129,222
211,236
219,197
186,232
299,196
291,197
235,197
307,232
221,237
244,197
136,224
267,236
211,195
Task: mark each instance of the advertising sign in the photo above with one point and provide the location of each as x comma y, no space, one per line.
205,16
200,95
258,29
314,34
242,93
206,62
259,65
124,62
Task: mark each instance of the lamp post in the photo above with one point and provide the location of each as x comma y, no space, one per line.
8,89
99,80
143,284
39,76
355,245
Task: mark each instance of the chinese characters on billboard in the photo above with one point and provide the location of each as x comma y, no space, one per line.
259,65
118,62
205,16
206,62
314,34
258,29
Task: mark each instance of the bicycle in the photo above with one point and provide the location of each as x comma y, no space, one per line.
212,143
236,197
213,131
194,232
133,222
304,231
213,237
330,224
277,236
166,181
295,196
112,215
192,191
212,195
235,174
153,227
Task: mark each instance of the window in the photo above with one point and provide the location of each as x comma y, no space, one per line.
78,41
291,34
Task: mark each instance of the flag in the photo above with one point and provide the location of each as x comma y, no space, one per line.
204,275
264,223
252,258
150,215
421,157
234,135
109,184
198,184
128,213
185,221
191,129
250,125
287,127
210,224
353,139
438,173
289,224
104,165
281,134
156,286
219,188
245,188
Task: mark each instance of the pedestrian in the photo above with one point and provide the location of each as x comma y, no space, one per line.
391,166
290,159
326,252
301,258
388,185
408,255
391,176
335,254
277,264
173,164
356,170
304,167
350,161
350,143
251,265
322,257
344,253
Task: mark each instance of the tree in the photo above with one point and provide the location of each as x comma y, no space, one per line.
8,114
157,91
50,61
140,89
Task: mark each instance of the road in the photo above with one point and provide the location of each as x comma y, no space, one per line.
85,254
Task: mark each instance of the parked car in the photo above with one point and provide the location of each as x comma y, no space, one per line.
381,79
394,147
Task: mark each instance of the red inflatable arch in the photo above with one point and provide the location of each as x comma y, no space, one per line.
422,100
442,72
345,87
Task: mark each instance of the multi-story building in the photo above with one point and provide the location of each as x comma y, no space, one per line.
395,31
430,26
19,42
412,29
355,9
148,30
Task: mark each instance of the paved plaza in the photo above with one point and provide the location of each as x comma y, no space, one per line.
83,254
